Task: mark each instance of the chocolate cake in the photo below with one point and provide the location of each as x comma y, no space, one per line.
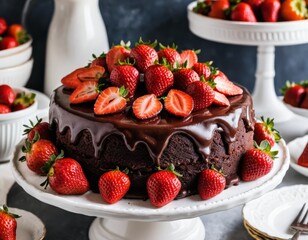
214,135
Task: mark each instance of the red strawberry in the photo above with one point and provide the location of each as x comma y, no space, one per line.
99,61
41,128
147,106
111,100
116,54
293,10
37,153
144,55
303,158
220,99
265,131
270,10
85,92
179,103
65,176
257,162
3,25
4,109
23,100
189,58
163,186
183,77
304,102
210,183
218,9
113,185
202,69
256,7
7,95
225,86
125,75
202,94
158,79
8,42
243,12
170,54
8,224
75,78
293,94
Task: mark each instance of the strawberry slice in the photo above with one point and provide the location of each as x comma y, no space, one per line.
225,86
111,100
303,158
147,106
220,99
71,80
85,92
189,58
91,73
179,103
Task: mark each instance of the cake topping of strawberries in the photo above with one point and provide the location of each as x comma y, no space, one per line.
179,103
225,86
170,54
116,54
111,100
202,69
220,99
183,77
265,130
147,106
158,79
189,58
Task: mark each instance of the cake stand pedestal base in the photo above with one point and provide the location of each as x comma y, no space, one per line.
110,229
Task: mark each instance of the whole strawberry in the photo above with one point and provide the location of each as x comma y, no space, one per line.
7,95
189,58
243,12
23,100
65,176
158,79
4,109
116,54
38,151
170,54
183,77
203,69
8,224
42,128
163,186
144,55
265,130
210,183
202,94
125,74
257,162
113,185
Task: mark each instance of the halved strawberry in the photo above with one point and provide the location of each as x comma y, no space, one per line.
179,103
85,92
117,53
225,86
99,61
220,99
147,106
111,100
71,80
189,58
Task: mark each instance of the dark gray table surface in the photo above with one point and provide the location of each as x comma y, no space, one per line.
64,225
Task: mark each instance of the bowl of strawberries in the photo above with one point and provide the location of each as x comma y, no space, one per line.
295,97
17,107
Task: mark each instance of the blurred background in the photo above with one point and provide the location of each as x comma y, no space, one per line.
165,21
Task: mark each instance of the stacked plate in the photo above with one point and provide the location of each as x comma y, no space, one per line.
16,65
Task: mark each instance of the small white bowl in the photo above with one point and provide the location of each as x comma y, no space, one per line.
11,51
16,58
17,76
296,148
11,126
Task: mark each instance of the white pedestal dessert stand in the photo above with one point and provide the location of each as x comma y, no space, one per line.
137,219
266,36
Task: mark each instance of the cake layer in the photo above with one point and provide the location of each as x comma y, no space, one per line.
217,135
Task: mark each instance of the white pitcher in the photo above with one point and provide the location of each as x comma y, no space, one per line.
77,30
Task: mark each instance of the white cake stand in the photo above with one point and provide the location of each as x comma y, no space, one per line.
264,35
137,219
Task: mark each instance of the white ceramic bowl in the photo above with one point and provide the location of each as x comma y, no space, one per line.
17,76
299,111
16,58
11,51
11,126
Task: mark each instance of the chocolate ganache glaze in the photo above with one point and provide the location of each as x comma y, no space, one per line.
216,135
